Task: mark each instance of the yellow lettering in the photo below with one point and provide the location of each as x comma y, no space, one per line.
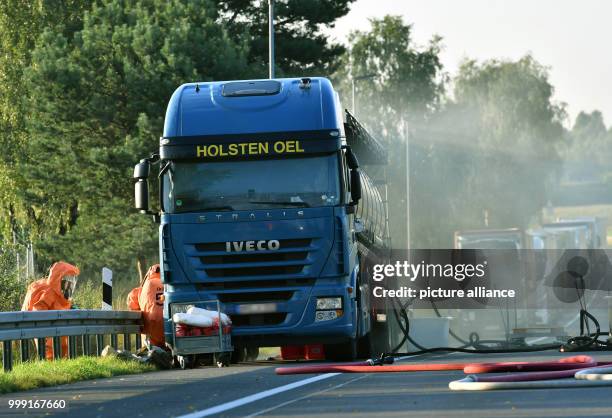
201,151
233,149
213,150
279,147
248,148
222,153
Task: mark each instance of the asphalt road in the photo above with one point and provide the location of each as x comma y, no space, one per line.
254,390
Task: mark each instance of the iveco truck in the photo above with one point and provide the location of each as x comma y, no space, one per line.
263,206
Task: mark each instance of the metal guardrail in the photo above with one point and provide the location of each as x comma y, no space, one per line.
24,326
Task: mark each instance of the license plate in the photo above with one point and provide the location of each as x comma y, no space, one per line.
256,308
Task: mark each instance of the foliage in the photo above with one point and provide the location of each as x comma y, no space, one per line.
589,139
88,293
12,290
491,154
486,156
96,107
302,48
32,375
83,90
21,23
397,84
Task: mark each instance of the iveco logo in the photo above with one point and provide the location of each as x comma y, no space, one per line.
272,244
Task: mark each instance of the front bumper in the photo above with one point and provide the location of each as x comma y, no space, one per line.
298,325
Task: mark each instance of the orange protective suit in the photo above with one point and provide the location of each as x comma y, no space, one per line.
46,295
132,299
150,300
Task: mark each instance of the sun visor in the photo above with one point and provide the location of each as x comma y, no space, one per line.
250,146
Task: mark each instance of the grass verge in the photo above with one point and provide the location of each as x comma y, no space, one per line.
32,375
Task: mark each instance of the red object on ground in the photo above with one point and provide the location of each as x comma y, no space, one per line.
574,362
195,331
352,368
314,352
292,352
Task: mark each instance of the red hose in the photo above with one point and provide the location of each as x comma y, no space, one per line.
542,375
338,368
574,362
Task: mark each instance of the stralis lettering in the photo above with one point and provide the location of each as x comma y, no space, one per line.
232,246
248,148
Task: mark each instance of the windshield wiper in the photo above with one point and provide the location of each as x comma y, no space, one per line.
219,208
277,202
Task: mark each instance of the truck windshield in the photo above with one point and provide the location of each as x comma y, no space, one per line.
255,184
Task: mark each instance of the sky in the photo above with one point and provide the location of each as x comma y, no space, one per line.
573,38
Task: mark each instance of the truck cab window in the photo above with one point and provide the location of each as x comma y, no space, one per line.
252,184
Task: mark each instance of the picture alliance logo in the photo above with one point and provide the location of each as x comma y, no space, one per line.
414,271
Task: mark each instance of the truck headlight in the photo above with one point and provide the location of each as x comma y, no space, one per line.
328,309
329,303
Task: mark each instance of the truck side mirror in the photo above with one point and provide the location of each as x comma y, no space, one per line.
142,170
141,196
141,188
351,159
355,186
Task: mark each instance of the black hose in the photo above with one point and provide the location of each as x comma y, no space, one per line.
474,341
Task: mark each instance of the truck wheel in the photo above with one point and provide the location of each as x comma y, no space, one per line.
364,347
186,362
222,359
341,352
238,355
252,353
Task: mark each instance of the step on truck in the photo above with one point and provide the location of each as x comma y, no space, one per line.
264,207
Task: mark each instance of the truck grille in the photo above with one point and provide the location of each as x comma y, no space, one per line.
242,278
238,285
259,297
289,259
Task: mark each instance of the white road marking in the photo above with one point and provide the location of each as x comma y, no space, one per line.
265,394
280,405
257,396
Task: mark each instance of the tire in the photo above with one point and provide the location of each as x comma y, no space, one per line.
238,355
342,352
252,353
364,347
222,359
186,362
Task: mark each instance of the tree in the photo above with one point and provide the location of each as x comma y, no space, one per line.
496,146
83,90
302,48
96,105
398,85
21,23
589,139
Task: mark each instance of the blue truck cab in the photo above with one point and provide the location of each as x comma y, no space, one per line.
259,197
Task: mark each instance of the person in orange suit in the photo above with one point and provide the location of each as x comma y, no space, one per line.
150,300
132,299
53,293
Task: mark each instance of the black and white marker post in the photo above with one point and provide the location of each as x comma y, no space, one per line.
107,289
